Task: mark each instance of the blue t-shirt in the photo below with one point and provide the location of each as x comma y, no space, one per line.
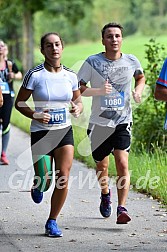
162,79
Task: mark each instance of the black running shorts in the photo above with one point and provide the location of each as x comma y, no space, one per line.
44,142
104,140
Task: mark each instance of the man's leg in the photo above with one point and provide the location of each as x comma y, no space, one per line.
101,149
123,184
102,176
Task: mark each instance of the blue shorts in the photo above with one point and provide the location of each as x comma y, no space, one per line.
44,142
104,140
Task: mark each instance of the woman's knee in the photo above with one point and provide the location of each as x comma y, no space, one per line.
61,178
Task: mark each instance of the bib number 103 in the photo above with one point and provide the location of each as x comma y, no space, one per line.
57,116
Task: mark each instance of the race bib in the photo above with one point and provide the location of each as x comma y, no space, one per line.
5,88
58,116
114,101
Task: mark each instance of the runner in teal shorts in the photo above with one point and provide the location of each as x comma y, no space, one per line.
56,95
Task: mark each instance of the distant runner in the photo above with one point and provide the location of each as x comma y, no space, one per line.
161,87
8,73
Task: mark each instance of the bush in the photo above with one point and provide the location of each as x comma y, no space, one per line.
149,117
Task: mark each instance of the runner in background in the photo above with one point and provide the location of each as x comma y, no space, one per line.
8,72
161,87
161,84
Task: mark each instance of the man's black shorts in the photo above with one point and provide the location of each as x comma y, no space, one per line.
105,140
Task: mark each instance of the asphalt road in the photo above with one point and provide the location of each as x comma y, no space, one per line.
84,229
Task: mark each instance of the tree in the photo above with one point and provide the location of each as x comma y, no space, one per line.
73,9
28,9
9,29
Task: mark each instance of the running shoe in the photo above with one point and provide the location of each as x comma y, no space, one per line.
122,215
36,195
105,205
52,229
4,159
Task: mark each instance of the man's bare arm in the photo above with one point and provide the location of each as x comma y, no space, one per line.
160,93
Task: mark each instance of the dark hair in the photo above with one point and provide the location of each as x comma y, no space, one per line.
43,38
109,25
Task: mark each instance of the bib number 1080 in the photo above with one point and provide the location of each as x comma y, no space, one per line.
114,101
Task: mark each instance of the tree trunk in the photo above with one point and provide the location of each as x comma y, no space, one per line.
28,41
